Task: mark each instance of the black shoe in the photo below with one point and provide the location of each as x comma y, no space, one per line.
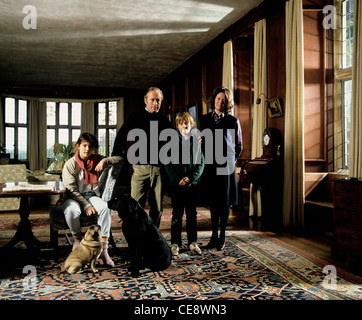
212,243
220,244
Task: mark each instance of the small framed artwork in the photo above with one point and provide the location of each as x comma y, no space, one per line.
274,108
206,106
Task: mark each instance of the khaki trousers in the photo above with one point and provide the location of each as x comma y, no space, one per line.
148,178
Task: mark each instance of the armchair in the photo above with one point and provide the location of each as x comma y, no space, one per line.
12,173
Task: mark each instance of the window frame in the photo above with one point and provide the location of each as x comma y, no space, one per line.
16,125
341,75
345,159
57,126
105,126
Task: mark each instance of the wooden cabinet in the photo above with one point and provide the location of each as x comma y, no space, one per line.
348,216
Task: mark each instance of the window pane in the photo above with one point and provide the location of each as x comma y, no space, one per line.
112,113
50,142
22,144
346,116
347,33
10,110
102,142
23,111
75,135
63,113
51,109
63,136
76,113
10,141
112,137
101,114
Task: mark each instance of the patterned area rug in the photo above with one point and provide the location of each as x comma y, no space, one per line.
40,223
253,266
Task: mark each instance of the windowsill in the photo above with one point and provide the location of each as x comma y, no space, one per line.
343,73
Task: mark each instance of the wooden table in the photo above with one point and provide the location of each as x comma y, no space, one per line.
24,231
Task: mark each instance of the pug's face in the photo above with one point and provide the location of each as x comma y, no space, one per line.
93,233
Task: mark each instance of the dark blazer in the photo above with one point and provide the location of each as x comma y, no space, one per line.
219,187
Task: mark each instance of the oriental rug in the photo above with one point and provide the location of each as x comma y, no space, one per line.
253,266
40,223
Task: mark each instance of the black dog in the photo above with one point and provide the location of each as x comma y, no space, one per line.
147,246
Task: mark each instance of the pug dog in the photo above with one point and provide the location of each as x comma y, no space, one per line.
87,252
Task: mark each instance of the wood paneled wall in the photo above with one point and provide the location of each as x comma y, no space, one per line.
243,89
196,79
318,90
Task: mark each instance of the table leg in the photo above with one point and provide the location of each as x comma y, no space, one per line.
24,231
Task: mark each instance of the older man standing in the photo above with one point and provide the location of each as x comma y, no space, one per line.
146,126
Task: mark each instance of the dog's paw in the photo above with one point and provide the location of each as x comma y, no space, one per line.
95,270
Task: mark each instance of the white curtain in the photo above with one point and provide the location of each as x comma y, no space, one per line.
227,68
88,122
355,153
228,64
259,118
37,135
293,197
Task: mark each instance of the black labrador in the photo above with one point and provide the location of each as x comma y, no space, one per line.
147,246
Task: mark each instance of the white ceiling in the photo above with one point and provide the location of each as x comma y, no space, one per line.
114,43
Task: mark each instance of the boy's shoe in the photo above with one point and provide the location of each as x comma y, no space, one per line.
195,248
175,249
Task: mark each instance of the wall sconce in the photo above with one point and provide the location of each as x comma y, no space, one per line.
273,106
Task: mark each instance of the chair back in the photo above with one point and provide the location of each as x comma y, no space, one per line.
110,178
12,173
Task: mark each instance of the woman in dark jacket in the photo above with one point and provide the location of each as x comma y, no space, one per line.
218,181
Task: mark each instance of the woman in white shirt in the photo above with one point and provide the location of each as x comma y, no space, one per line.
80,177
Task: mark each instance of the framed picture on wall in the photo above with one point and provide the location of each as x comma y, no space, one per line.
274,108
206,106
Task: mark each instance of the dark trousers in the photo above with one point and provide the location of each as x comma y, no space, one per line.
184,199
219,217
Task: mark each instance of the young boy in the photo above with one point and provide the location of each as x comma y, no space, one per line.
183,182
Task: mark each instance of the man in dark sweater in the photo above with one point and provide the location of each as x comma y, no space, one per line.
139,139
